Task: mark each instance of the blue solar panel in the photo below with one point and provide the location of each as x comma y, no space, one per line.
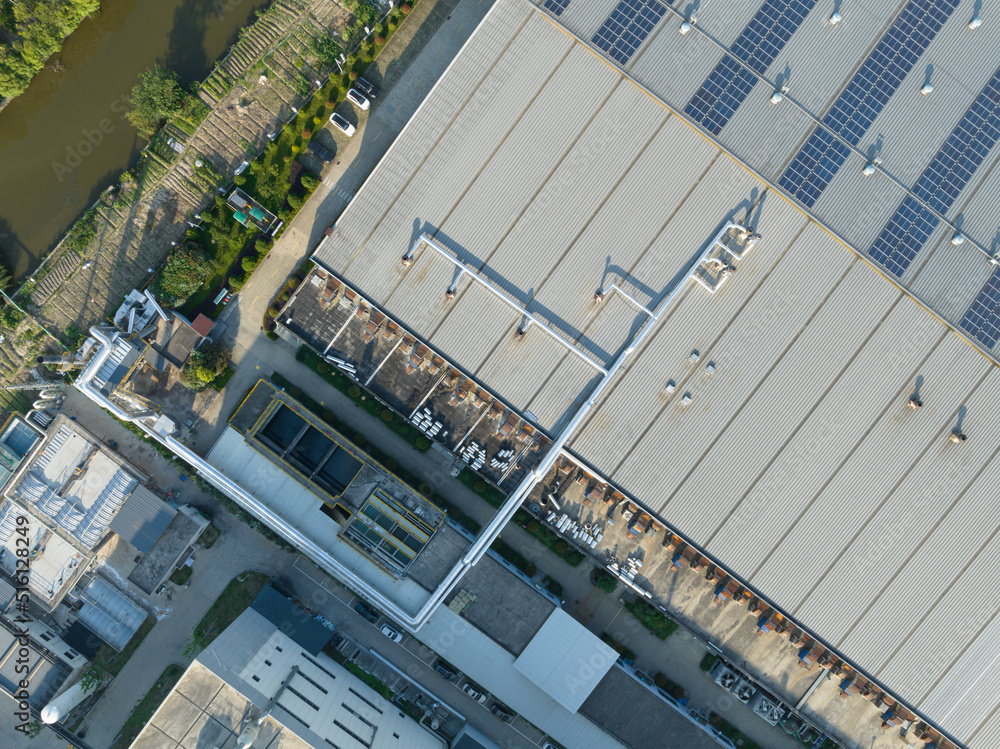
983,318
627,27
761,41
556,7
941,182
865,96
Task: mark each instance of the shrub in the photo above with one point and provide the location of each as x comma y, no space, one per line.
296,148
392,27
708,661
157,97
271,335
235,283
359,439
352,75
554,586
479,487
203,366
426,489
354,391
309,181
239,179
293,283
405,8
422,443
186,268
530,569
661,680
604,581
533,526
387,415
306,132
272,311
390,463
330,104
560,546
324,367
249,263
379,41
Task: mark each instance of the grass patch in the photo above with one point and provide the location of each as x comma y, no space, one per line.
182,575
652,619
111,661
209,536
708,661
223,379
144,710
377,684
232,602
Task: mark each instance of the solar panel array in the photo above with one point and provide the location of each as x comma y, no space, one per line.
556,7
864,98
942,181
627,27
729,84
983,318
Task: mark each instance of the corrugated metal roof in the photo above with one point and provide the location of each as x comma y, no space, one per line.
109,613
534,160
142,519
566,660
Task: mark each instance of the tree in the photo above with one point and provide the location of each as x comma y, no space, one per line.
604,581
186,268
157,97
327,50
204,365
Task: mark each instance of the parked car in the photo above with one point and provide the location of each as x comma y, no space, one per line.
445,670
341,123
319,152
391,633
366,612
356,97
368,88
475,693
502,712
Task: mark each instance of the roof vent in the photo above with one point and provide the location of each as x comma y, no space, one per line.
869,169
687,399
695,356
926,89
975,23
957,437
914,403
776,97
836,18
685,27
958,238
671,387
710,367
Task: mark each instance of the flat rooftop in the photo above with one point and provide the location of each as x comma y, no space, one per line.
543,165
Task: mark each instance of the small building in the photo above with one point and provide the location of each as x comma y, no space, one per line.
255,679
249,212
19,438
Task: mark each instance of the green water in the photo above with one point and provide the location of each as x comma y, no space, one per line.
65,139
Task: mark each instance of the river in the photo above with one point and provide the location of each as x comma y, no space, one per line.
65,139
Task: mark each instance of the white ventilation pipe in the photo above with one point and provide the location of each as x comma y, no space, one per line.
60,707
83,382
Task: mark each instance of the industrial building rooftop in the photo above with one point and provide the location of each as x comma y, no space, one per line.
815,407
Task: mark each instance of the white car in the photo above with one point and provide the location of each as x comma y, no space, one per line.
391,633
358,98
476,694
342,124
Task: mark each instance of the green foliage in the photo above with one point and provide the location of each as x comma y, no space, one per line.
309,181
327,50
249,263
604,581
157,97
366,13
32,31
708,661
204,365
652,619
186,268
33,728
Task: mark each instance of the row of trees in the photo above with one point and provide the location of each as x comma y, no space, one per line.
32,31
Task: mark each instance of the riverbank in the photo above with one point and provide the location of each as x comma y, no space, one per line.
269,79
31,34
